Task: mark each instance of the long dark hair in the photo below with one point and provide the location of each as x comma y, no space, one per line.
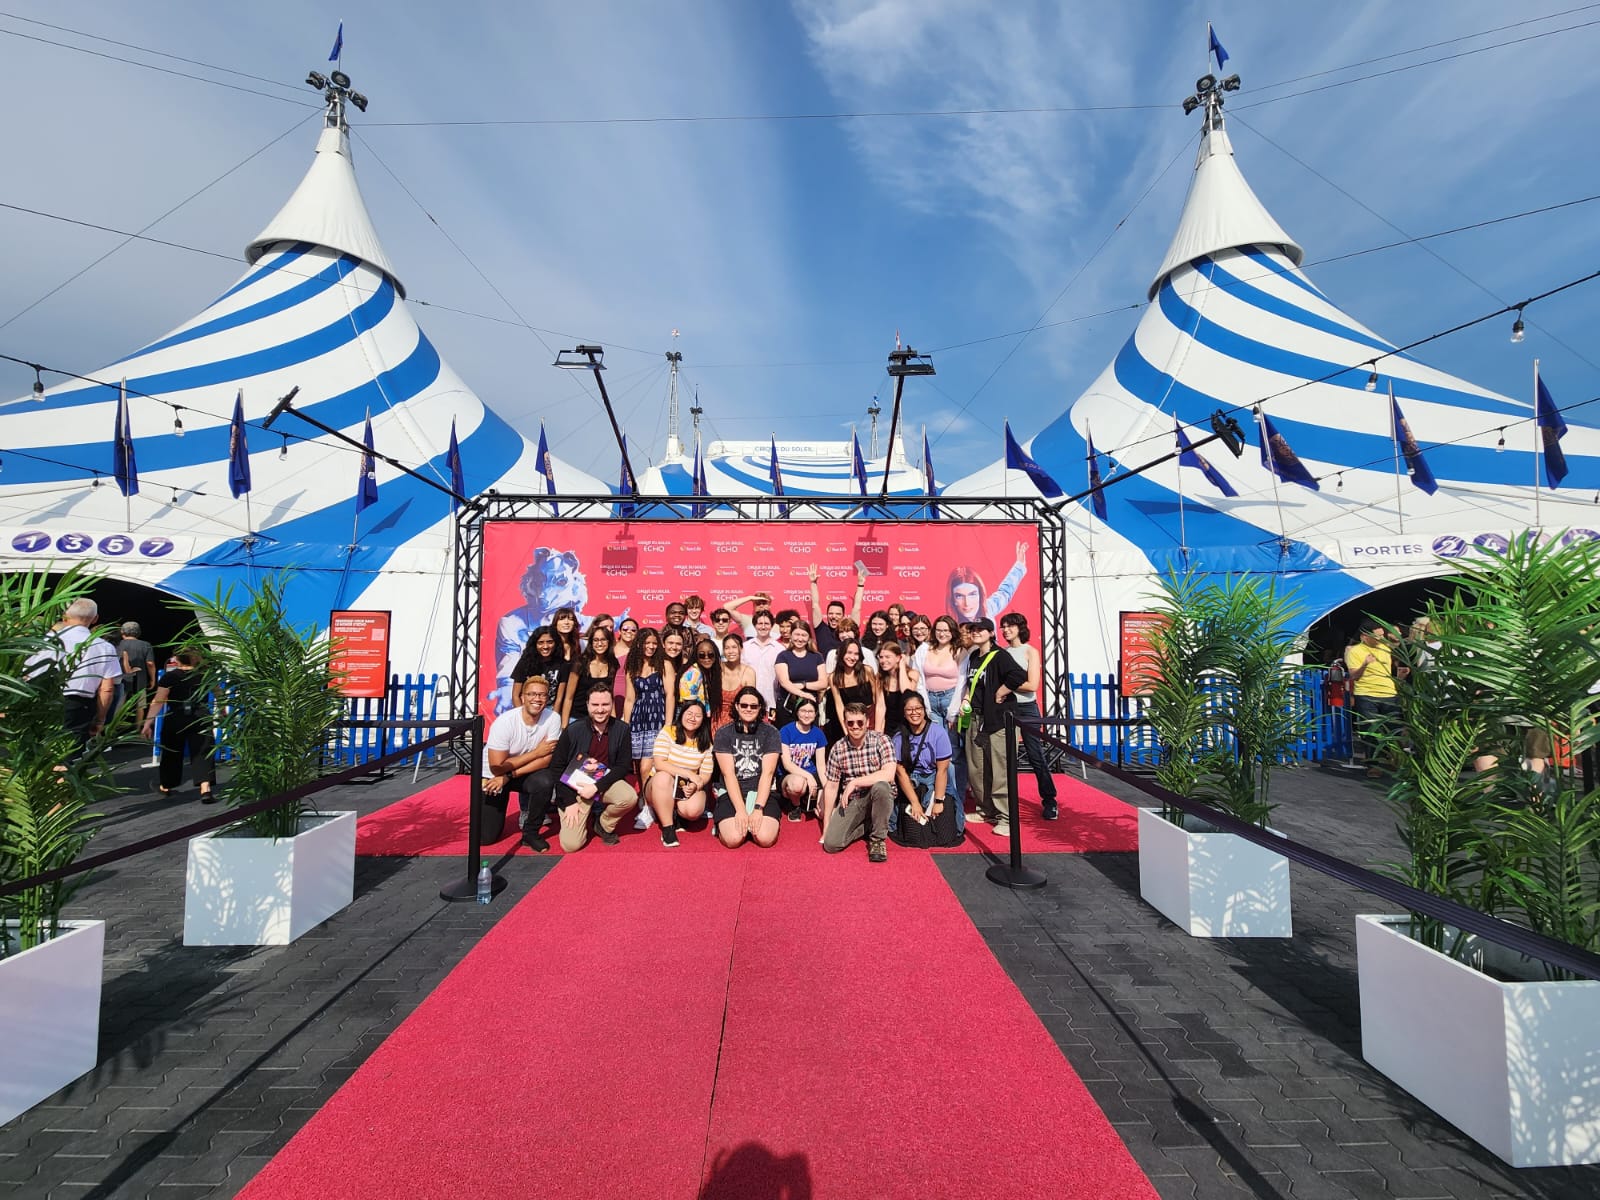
711,677
532,662
573,644
636,657
609,657
761,710
702,736
869,639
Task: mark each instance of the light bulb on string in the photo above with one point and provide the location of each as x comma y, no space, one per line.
96,482
1500,446
1339,487
38,384
284,453
1518,329
1372,382
177,422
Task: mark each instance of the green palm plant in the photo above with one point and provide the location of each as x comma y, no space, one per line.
276,702
46,790
1185,648
1516,667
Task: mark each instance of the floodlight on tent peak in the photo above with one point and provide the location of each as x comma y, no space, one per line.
1204,84
341,79
359,101
582,358
1190,104
317,80
1230,84
907,361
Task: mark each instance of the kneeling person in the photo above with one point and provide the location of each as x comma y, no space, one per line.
517,755
859,793
747,750
601,743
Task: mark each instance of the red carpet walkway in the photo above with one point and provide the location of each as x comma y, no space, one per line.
434,822
743,1025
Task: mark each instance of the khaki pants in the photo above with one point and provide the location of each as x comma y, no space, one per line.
986,773
614,804
865,816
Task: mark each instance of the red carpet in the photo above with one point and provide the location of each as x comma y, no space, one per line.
434,822
757,1027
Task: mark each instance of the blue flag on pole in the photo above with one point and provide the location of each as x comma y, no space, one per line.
1551,430
367,484
858,465
1017,460
238,451
1097,497
625,484
458,477
546,468
777,478
123,466
699,483
338,45
1416,466
1188,456
929,484
1216,46
1277,457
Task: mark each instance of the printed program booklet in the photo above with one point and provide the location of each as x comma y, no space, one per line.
585,771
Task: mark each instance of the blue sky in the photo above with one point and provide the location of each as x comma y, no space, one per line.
788,252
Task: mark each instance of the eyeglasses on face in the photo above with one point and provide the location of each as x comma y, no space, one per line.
749,705
854,723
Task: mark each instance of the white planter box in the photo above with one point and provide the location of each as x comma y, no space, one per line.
255,891
49,1014
1514,1066
1212,884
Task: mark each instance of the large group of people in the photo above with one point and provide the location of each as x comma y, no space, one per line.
891,727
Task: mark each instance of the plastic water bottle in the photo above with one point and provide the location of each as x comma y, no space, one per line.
485,883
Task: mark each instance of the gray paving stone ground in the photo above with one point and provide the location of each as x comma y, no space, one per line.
1230,1068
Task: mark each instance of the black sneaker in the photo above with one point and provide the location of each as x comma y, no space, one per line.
797,814
1050,810
877,850
610,839
669,837
534,842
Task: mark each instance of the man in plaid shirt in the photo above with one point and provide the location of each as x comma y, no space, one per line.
859,792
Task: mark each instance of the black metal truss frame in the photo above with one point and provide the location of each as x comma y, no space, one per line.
467,610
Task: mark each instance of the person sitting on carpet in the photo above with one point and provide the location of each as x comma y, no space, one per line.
517,756
605,740
859,792
922,814
678,769
747,751
803,748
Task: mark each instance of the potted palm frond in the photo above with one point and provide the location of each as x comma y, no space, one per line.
280,872
50,969
1504,1047
1226,707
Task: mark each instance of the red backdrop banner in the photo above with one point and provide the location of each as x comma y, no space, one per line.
636,568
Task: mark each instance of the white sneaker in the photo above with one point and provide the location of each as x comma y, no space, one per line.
976,818
645,819
1002,830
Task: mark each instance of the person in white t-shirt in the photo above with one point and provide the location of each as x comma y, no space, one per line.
517,756
95,670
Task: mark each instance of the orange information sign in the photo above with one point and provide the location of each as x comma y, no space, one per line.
1138,670
360,653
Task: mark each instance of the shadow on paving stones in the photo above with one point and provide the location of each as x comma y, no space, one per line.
171,991
144,1153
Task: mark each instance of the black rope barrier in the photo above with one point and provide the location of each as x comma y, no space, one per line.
233,816
466,889
1469,920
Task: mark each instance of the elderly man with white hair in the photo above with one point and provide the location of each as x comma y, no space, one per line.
94,665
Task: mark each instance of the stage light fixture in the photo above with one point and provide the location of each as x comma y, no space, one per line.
1231,84
1205,83
908,362
1189,105
359,101
582,358
317,80
341,79
1227,429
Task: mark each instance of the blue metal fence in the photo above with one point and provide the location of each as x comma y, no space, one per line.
1127,737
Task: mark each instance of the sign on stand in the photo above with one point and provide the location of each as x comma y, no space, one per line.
360,664
1138,674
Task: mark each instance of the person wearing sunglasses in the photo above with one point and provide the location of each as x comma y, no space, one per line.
859,793
747,752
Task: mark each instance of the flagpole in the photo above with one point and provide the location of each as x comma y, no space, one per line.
1183,526
1394,441
1272,469
1538,448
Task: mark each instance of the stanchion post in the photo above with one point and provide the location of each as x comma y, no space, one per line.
467,889
1013,874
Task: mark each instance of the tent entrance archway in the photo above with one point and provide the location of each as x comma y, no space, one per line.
1398,604
161,624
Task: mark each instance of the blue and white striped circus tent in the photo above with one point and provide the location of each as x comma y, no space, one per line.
1235,324
322,309
807,471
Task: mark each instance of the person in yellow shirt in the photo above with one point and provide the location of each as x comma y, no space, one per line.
1369,666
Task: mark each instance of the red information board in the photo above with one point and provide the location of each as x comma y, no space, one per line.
1138,671
360,642
636,568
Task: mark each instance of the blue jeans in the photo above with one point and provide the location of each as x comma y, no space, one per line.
940,706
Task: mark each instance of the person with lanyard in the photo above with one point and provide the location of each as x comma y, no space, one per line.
747,753
180,701
993,678
827,633
93,671
516,759
1014,628
923,814
601,742
804,744
858,794
761,650
678,770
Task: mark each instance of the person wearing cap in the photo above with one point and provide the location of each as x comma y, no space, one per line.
1369,666
992,680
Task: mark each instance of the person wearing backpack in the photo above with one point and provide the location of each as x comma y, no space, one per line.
993,678
182,696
